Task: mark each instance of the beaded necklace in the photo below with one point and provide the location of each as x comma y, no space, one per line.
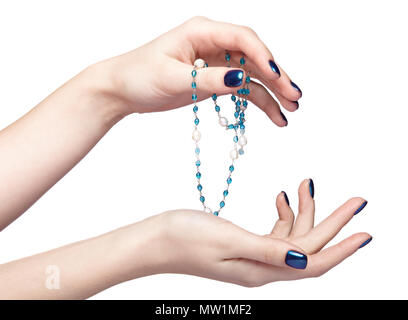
237,127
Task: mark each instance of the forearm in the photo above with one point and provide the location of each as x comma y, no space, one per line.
41,147
82,269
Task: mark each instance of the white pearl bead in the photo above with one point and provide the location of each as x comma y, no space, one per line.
223,121
234,154
199,63
207,210
196,135
242,141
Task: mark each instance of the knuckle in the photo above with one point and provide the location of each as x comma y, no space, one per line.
269,254
249,30
197,19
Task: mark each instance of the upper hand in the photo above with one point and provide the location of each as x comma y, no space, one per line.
157,76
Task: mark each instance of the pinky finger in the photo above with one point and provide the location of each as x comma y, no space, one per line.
287,104
327,259
261,97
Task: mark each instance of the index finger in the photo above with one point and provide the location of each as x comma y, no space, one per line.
228,36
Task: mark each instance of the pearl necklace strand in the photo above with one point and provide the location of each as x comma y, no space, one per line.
238,127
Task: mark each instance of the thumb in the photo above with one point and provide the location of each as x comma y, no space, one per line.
273,251
219,80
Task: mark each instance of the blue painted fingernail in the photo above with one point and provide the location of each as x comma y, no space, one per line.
284,118
311,188
365,243
361,207
274,67
296,260
286,197
294,85
233,78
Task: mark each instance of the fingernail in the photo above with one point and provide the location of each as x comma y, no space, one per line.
286,197
233,78
365,243
297,104
296,260
274,67
284,118
361,207
311,188
294,85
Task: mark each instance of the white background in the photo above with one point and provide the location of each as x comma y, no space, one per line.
348,57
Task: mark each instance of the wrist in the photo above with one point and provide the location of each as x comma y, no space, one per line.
140,248
96,85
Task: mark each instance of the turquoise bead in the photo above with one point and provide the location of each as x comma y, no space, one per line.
198,163
206,65
214,97
194,97
193,73
225,193
215,213
200,187
242,126
196,121
197,150
198,175
227,57
242,60
238,103
233,98
193,85
248,79
230,126
195,109
217,108
231,168
236,139
241,151
229,180
245,103
202,199
236,114
222,204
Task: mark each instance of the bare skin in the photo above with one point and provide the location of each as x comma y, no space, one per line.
42,146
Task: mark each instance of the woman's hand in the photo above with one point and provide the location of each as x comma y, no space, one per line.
61,130
197,243
190,242
157,76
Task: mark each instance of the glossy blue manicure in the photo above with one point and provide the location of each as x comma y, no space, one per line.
296,260
361,207
286,197
294,85
274,67
311,188
233,78
284,118
366,242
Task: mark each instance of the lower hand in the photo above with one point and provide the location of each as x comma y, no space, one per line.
197,243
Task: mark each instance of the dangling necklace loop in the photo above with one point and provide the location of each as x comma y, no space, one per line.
238,127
